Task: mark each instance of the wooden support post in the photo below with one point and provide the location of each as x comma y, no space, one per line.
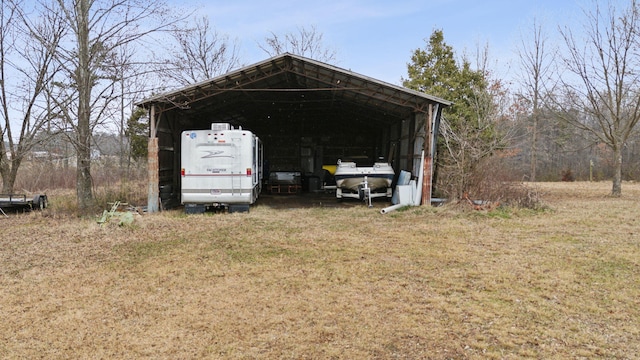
152,166
428,158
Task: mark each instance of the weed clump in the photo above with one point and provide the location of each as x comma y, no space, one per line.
491,185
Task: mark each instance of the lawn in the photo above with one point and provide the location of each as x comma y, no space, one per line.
330,282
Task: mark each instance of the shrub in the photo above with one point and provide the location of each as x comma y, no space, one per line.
492,185
567,175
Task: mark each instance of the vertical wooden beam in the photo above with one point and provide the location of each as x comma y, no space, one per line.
152,165
405,150
418,137
428,158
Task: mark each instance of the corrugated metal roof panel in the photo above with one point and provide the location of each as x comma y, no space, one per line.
293,73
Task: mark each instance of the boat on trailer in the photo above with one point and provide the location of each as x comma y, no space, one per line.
363,182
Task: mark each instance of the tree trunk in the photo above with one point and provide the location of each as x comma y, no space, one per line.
9,172
84,182
7,181
534,146
617,172
83,146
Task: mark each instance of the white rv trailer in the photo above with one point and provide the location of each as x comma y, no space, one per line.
221,167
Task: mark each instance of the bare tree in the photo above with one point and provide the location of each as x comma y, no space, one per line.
486,129
86,90
201,53
306,42
124,67
603,78
536,67
27,51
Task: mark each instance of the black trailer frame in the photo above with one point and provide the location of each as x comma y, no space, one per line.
20,202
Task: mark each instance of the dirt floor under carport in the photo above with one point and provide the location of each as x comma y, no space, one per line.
323,199
305,199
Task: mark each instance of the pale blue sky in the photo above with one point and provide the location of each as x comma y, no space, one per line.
376,38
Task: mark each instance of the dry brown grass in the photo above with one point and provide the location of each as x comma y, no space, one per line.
330,283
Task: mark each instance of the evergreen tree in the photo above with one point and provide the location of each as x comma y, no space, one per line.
137,128
468,126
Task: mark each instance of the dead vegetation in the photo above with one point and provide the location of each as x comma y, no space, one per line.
320,282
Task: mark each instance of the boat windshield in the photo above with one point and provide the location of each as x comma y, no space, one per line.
363,161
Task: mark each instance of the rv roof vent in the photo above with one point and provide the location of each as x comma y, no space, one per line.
220,126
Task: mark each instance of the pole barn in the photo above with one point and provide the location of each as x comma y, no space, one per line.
307,113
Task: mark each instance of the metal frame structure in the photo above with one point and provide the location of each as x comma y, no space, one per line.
295,103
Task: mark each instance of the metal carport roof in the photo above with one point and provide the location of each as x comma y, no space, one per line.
288,83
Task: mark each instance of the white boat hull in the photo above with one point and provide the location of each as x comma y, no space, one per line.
351,179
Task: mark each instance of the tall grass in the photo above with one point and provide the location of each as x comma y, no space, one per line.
111,182
40,175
